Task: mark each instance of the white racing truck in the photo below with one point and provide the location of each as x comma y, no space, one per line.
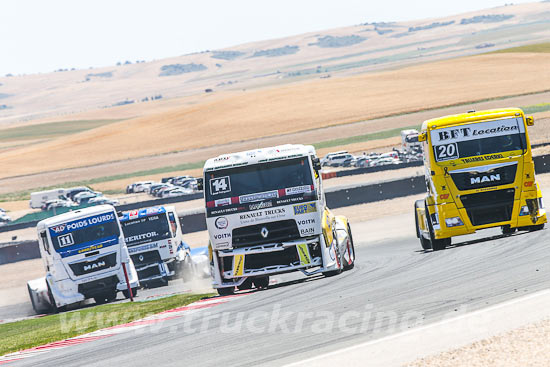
266,214
85,257
155,243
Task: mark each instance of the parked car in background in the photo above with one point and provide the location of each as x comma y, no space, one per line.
384,161
178,191
179,180
58,203
337,160
85,196
362,162
70,193
349,162
4,218
325,160
142,186
98,200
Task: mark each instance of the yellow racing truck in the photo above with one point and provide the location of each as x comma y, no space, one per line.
479,174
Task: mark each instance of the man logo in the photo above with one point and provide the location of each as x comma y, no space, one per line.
483,179
141,258
94,266
264,232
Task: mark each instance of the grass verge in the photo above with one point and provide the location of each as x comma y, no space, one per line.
537,47
51,130
26,334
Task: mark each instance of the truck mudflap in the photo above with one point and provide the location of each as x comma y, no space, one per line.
288,256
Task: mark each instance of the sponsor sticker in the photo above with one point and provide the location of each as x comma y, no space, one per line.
221,223
305,208
262,205
238,265
303,254
297,190
258,196
222,202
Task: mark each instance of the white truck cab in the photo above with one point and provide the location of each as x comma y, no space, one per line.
266,214
155,243
83,253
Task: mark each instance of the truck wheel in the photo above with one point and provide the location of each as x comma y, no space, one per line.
127,294
507,230
261,282
105,297
226,291
437,244
350,262
426,245
53,306
246,285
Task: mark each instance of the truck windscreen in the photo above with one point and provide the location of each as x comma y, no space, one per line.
477,139
259,182
90,230
146,229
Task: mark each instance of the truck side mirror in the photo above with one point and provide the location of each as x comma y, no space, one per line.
530,120
316,164
200,183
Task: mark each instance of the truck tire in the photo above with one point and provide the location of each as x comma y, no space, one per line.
350,263
105,297
246,285
127,294
261,282
228,291
426,245
53,306
507,230
437,244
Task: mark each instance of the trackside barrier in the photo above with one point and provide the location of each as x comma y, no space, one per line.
195,221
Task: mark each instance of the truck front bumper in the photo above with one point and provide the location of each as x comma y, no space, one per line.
269,259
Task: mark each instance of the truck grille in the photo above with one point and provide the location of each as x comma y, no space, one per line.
280,231
489,207
87,267
145,258
148,272
98,287
477,180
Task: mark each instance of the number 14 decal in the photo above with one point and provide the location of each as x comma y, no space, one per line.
220,185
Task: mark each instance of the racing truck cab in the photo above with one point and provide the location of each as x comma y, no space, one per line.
83,252
155,243
266,214
479,174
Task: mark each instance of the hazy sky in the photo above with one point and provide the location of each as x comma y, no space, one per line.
44,35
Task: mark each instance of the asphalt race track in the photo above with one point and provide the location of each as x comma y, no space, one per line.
392,279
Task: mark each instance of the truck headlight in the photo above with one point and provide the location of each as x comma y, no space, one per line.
524,210
453,222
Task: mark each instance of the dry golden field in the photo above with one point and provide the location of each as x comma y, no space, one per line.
291,108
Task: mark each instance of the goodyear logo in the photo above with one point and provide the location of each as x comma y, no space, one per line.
91,248
238,265
305,208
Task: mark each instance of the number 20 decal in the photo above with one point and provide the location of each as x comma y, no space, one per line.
446,151
220,185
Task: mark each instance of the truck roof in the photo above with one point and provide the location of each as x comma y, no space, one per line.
258,156
470,117
75,214
144,212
